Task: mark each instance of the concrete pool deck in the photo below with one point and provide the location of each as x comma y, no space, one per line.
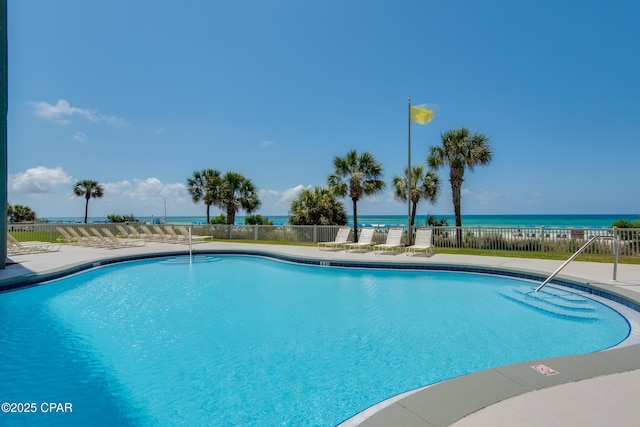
587,390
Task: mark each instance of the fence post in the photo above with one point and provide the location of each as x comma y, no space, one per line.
616,246
255,232
315,233
542,241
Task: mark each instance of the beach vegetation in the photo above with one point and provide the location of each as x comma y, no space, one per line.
89,189
205,185
425,185
257,220
20,213
460,150
121,218
432,221
237,193
356,176
219,220
626,223
317,206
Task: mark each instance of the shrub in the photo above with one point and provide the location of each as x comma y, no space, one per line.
257,220
121,218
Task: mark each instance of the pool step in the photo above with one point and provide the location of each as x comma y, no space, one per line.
552,301
194,259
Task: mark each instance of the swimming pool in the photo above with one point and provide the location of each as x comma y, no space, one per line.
235,340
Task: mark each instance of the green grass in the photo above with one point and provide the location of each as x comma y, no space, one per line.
482,252
46,237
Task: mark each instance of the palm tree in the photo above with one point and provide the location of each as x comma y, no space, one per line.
87,188
237,192
424,184
363,174
205,186
317,207
460,150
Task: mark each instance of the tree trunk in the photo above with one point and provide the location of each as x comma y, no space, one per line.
414,208
231,219
457,178
208,206
86,209
355,220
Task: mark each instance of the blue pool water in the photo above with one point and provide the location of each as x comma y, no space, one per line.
236,340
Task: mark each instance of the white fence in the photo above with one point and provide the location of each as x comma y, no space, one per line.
531,239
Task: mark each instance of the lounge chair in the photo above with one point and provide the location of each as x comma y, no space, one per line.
365,241
66,237
148,234
133,232
125,243
422,243
164,236
341,239
393,243
86,240
14,247
194,238
123,233
98,239
178,238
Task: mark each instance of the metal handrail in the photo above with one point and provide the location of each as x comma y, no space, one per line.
579,251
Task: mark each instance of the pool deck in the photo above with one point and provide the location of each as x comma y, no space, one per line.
586,390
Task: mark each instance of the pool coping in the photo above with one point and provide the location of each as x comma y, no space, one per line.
443,403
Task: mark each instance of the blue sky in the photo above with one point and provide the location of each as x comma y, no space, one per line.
138,95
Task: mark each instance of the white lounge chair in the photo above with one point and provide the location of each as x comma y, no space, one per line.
66,237
341,239
123,233
364,242
137,234
194,238
422,243
85,240
148,234
101,241
393,243
14,247
175,237
124,243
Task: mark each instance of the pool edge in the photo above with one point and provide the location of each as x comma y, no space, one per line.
444,403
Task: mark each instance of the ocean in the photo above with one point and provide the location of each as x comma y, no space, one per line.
569,221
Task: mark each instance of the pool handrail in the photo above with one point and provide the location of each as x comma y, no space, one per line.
579,251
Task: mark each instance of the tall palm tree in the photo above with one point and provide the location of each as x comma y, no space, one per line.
205,186
237,192
460,150
87,188
424,184
356,176
317,207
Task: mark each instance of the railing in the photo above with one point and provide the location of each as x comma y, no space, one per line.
529,239
579,251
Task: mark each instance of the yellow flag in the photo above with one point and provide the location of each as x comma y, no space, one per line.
421,114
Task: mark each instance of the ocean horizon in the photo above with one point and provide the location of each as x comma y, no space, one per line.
522,220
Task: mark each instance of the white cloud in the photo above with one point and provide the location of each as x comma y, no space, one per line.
152,190
62,112
266,143
38,180
160,130
80,137
286,196
278,201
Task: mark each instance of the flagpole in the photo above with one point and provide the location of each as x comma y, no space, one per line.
409,235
